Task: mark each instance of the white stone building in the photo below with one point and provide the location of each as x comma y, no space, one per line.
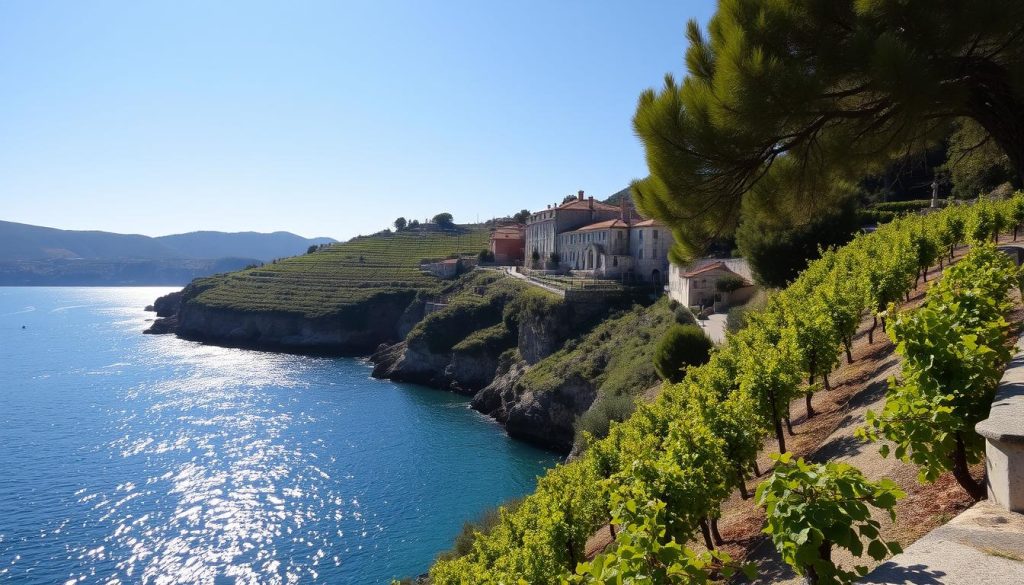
696,285
613,244
543,227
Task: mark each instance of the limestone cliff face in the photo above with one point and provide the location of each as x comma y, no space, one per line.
167,305
549,418
166,308
542,335
412,361
355,331
271,330
545,418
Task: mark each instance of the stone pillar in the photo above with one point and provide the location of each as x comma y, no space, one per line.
1003,431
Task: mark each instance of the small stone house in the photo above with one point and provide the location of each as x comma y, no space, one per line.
697,285
508,244
449,268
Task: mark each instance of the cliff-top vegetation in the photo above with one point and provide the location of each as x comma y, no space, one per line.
342,275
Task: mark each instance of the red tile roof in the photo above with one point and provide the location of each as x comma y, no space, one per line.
511,232
586,204
711,267
648,223
601,225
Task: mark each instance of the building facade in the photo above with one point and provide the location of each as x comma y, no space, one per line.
696,285
606,241
543,227
508,243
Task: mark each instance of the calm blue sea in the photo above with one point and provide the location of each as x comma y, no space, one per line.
129,458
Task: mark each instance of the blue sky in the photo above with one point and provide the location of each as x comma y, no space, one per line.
321,118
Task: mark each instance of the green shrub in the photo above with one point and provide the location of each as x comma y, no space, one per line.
482,524
683,315
493,339
682,346
597,420
813,509
904,206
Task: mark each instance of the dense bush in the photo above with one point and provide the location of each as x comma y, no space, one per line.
683,315
905,206
954,348
814,508
777,253
681,346
597,420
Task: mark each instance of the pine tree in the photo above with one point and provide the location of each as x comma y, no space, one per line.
786,102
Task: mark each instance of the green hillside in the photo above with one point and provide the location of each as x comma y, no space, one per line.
343,274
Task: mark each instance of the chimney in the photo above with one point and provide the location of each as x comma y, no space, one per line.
580,196
591,199
622,207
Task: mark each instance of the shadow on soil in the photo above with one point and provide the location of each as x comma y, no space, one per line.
836,448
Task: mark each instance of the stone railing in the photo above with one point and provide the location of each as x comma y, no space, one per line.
1004,437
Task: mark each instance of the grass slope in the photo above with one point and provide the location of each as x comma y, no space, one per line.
615,357
475,316
341,275
616,354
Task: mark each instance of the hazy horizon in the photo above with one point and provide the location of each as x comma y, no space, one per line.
318,119
189,231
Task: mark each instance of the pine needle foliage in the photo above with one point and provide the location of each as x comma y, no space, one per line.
786,103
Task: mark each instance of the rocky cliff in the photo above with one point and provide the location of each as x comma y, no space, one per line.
543,418
606,365
488,336
457,346
546,418
464,372
356,331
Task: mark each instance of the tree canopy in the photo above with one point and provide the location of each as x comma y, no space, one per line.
787,102
444,220
779,250
680,347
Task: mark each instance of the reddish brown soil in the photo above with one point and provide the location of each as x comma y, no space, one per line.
829,435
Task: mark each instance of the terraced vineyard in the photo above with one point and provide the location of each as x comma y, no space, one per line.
341,275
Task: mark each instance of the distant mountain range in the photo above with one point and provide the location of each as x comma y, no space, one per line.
19,241
35,255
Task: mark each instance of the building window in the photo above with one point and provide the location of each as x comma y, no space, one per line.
641,253
641,235
655,234
615,260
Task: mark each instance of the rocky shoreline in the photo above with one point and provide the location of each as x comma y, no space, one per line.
490,376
